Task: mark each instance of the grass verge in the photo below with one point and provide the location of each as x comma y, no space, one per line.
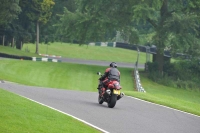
14,51
88,52
19,115
181,99
57,75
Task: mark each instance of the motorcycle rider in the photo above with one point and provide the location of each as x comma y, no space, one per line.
111,73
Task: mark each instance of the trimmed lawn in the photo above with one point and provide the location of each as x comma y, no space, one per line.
88,52
19,115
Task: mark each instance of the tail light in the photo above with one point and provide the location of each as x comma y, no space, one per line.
110,86
117,86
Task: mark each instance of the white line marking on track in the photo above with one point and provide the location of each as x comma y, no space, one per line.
163,106
68,115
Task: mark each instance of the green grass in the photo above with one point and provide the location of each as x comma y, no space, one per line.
88,52
185,100
19,115
14,51
84,78
57,75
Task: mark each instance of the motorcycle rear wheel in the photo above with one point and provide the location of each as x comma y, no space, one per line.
112,101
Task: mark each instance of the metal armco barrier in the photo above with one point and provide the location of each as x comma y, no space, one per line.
138,85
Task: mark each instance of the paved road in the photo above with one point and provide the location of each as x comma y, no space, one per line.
99,63
129,115
95,62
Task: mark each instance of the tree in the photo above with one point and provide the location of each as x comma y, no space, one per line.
48,30
38,11
9,11
93,20
174,22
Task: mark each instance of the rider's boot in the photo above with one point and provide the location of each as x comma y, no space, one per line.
103,90
98,87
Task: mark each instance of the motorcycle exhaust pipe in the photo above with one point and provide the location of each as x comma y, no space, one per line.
108,91
120,96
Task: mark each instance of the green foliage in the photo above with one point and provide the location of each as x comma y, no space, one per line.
39,11
69,22
146,39
95,19
144,12
81,27
190,85
183,31
46,7
48,31
174,23
180,74
23,29
9,11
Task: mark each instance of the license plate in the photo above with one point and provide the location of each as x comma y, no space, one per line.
116,92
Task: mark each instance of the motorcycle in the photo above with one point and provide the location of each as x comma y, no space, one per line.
110,94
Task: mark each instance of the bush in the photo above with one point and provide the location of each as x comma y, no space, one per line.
181,74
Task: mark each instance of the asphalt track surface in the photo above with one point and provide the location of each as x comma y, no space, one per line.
130,115
95,62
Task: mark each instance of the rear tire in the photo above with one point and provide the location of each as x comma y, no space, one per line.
113,100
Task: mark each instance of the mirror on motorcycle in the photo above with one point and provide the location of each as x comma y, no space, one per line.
98,73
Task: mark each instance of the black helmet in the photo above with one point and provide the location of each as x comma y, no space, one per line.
113,64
